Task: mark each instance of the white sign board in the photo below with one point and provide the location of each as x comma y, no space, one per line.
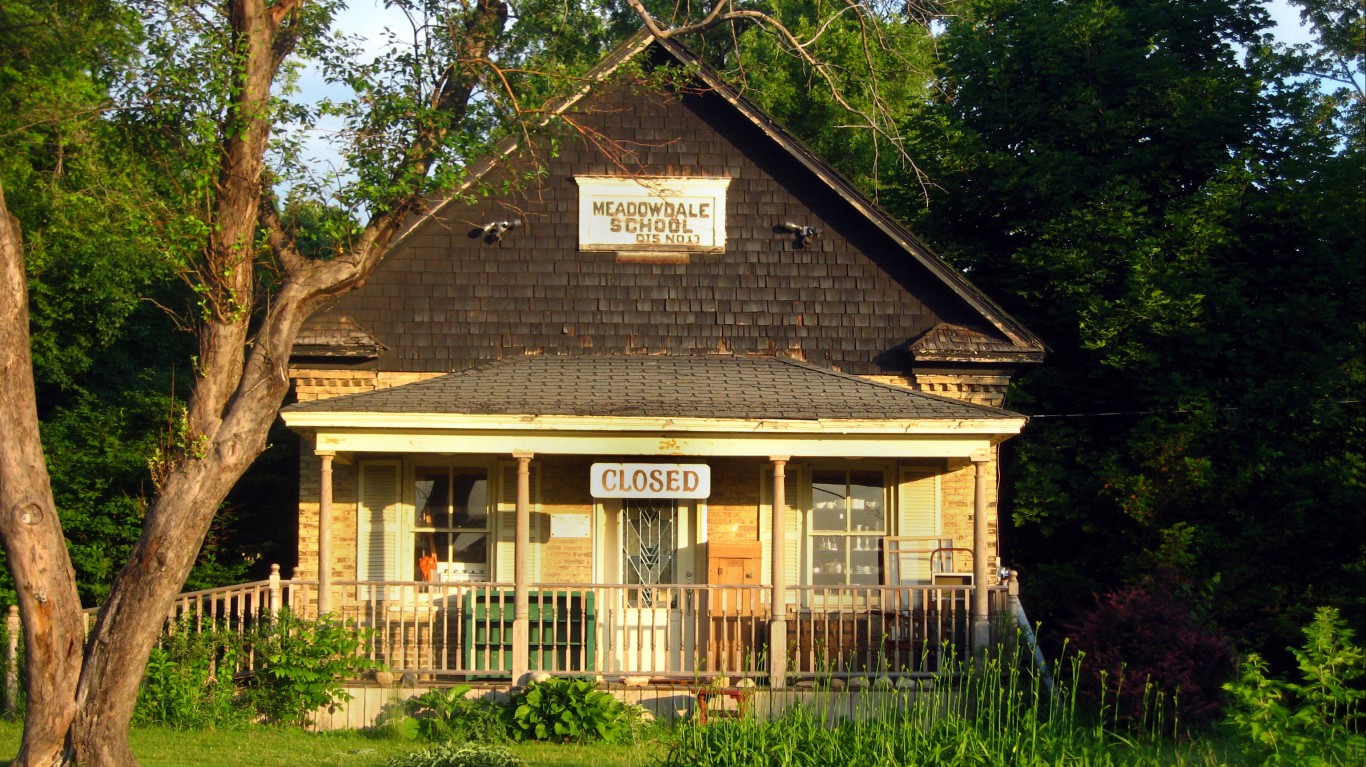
652,214
650,480
570,526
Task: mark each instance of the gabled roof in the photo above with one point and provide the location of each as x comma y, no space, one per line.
336,335
659,386
955,343
1024,346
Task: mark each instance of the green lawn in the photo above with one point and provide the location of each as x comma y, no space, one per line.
269,747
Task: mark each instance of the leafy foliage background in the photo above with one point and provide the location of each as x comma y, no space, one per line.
1167,197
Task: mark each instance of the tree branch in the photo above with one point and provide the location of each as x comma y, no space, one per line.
279,239
875,121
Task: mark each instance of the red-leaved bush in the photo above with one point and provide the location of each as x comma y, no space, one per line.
1153,666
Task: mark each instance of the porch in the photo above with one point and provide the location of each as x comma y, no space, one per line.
425,632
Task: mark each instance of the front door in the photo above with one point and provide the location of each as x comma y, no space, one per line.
654,541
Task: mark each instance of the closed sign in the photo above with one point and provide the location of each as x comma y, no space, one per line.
650,480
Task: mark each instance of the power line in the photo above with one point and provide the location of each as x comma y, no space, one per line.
1179,411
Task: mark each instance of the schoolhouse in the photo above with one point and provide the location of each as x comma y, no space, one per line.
677,402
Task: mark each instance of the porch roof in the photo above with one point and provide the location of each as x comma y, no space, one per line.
638,386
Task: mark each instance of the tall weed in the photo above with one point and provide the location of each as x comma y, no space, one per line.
1315,721
995,712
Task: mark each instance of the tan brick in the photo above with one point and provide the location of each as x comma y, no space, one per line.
733,508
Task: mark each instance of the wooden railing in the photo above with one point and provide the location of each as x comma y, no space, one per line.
681,632
236,608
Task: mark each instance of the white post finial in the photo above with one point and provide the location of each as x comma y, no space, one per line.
273,587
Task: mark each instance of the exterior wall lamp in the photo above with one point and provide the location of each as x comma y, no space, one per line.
804,234
493,231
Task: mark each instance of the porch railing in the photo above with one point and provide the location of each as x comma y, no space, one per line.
677,632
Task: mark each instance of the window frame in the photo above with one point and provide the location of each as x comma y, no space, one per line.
871,540
411,530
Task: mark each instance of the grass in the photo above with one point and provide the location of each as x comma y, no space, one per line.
274,747
802,738
987,714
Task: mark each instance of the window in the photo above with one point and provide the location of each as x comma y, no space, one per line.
848,519
450,525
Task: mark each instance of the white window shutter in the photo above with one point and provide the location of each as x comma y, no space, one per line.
795,486
918,516
506,524
379,523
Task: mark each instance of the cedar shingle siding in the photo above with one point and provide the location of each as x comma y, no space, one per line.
445,300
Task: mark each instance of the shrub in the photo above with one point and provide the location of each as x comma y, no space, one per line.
302,664
1315,721
467,755
568,710
447,715
189,680
1146,663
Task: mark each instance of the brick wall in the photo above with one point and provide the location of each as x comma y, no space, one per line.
959,486
564,491
989,390
959,481
733,508
310,384
344,517
732,512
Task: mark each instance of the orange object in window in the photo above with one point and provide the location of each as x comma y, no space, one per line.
427,565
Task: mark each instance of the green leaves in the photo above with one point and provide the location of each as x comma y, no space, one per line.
466,755
304,663
1147,187
872,73
1315,721
189,680
450,715
566,709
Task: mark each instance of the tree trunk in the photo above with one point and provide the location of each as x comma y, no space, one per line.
145,591
82,693
44,579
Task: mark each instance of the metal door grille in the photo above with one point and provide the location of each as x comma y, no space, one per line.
649,544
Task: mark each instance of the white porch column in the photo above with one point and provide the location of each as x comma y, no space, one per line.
981,616
777,625
521,624
325,533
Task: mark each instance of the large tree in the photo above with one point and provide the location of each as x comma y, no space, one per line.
104,354
1159,192
205,106
204,98
1172,201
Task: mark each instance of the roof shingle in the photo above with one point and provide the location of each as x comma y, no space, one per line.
711,386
